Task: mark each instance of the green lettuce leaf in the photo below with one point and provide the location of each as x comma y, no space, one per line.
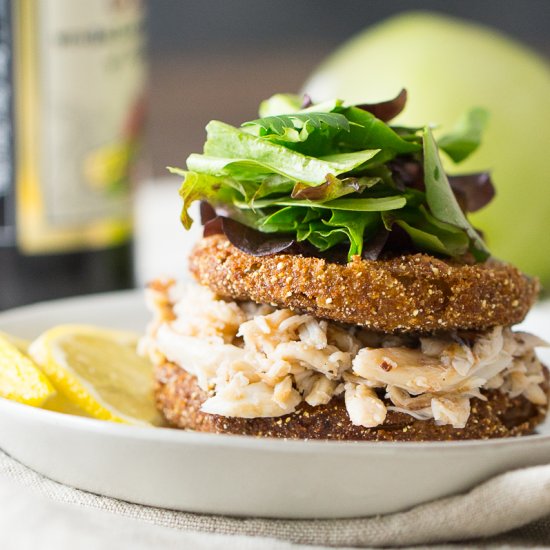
287,219
280,104
203,187
380,204
230,151
354,225
332,175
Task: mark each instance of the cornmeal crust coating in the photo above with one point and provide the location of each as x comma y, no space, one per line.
412,293
179,398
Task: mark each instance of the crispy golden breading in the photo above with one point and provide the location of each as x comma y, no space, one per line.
414,293
179,399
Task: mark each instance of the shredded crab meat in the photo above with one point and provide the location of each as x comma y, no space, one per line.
258,361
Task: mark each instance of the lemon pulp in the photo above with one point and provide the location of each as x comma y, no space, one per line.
98,371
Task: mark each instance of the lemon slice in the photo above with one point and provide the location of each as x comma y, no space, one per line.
59,403
20,378
21,344
99,372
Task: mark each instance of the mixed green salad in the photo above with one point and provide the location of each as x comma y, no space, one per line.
331,178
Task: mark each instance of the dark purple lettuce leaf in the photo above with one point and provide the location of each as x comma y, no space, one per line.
254,242
386,110
372,248
207,212
213,226
407,173
473,191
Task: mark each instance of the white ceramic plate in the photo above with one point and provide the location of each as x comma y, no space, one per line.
239,475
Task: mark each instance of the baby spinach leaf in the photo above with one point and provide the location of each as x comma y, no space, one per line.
440,197
465,137
366,130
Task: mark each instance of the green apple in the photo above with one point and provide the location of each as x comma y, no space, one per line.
448,66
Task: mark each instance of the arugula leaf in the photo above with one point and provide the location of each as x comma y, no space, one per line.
298,126
228,146
465,137
331,127
440,197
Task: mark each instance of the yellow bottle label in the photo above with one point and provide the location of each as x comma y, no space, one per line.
79,81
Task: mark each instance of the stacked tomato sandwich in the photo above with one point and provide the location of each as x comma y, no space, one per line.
341,292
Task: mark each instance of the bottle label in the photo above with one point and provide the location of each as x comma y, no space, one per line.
79,76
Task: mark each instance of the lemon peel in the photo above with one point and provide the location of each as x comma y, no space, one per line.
20,379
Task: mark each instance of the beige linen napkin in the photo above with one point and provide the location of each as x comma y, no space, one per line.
38,513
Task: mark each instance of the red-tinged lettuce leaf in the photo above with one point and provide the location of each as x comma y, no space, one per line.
473,191
333,188
386,110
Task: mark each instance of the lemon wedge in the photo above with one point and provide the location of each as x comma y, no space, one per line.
20,378
99,372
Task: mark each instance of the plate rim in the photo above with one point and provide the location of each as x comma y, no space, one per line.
179,436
